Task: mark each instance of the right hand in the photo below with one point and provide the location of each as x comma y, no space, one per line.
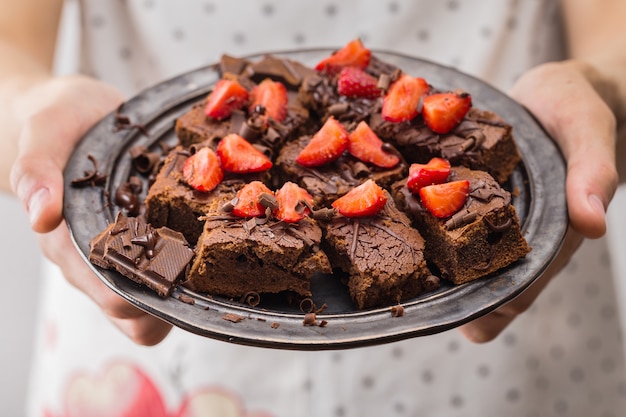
65,109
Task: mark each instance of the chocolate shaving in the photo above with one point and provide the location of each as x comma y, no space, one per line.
384,81
498,228
143,160
307,305
91,178
296,233
147,241
268,201
338,109
122,122
460,218
252,298
324,214
355,237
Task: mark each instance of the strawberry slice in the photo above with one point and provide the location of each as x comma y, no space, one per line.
272,96
202,170
239,156
227,95
436,171
326,145
248,200
365,145
444,111
293,203
443,200
353,54
402,99
354,82
368,199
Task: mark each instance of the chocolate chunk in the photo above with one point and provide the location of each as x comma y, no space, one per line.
287,72
156,258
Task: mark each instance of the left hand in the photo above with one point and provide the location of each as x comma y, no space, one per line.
562,98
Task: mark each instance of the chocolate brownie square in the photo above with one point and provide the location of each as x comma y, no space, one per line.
481,238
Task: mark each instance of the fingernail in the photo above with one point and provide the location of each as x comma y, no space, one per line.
597,204
36,203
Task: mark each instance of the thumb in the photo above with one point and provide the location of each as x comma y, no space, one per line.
37,175
584,127
47,140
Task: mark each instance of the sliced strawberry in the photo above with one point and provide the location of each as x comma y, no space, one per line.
354,82
326,145
443,200
227,95
248,200
444,111
366,145
293,203
353,54
436,171
402,99
239,156
368,199
202,170
272,95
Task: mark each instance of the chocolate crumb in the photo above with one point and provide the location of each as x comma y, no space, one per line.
235,318
275,325
397,311
309,319
186,299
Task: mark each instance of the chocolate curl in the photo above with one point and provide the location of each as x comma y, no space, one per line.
460,218
122,122
91,178
143,160
252,298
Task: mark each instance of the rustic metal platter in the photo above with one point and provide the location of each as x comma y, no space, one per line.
540,201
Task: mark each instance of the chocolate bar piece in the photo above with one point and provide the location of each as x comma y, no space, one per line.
153,257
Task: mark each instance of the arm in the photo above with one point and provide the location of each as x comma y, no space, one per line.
26,59
42,117
581,102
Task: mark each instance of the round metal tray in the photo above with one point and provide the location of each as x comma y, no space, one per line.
539,199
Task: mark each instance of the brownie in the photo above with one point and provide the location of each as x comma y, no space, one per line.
195,127
172,203
155,257
481,238
482,141
238,256
328,182
382,255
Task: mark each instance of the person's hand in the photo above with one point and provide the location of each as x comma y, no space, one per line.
65,108
563,99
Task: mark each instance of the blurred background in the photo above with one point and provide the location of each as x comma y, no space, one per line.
20,260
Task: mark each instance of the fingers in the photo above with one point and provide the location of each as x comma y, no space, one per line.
59,118
36,176
139,326
488,327
584,127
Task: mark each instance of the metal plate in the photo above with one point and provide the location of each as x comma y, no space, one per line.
540,201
